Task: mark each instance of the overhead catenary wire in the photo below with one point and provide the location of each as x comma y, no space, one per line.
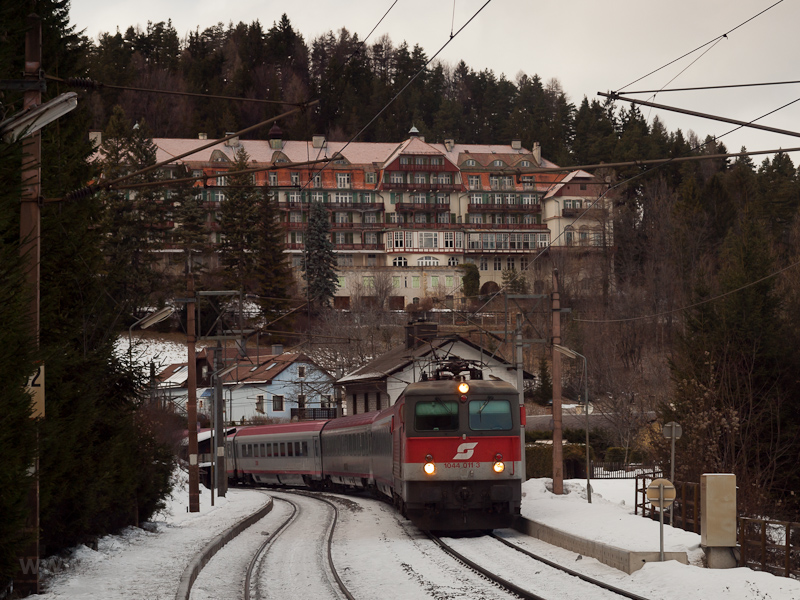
105,185
724,35
713,87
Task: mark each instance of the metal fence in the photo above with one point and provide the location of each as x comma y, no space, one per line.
313,414
771,546
621,470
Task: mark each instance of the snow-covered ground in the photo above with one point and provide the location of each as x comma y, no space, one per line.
142,564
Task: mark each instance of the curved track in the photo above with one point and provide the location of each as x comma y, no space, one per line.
252,586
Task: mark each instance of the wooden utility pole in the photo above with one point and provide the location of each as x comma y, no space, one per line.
558,451
27,579
191,402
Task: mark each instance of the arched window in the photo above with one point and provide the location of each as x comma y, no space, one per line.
428,261
452,261
400,261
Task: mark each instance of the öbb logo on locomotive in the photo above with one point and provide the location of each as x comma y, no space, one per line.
465,451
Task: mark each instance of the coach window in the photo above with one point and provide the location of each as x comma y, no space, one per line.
290,447
297,449
305,449
436,415
269,450
283,448
263,451
490,414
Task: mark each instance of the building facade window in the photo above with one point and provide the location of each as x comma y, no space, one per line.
273,179
400,261
396,177
295,178
343,181
474,182
371,238
483,265
395,281
452,261
510,263
428,261
277,403
498,265
415,280
429,239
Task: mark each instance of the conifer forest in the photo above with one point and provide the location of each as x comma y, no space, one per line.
699,320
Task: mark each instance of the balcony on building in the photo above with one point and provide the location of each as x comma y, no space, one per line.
490,208
423,206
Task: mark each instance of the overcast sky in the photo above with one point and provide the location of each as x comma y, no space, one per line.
588,45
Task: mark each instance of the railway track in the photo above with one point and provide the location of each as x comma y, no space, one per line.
251,588
519,590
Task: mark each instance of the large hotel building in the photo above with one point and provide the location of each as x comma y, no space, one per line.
404,216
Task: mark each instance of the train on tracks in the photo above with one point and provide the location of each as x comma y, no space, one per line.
448,454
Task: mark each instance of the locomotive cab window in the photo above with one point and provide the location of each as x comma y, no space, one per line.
490,414
436,415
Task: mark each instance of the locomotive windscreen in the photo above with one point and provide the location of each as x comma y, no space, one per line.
436,415
486,415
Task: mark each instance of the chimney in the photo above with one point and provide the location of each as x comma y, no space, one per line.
277,349
202,136
233,142
448,144
516,144
417,333
275,137
318,141
537,154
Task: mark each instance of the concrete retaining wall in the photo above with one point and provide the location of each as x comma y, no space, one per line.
624,560
200,560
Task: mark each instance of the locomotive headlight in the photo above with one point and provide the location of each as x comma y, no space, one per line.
498,466
463,387
429,467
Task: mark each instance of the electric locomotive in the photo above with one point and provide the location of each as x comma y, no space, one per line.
448,454
457,458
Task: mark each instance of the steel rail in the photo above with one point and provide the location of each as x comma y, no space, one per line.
260,553
335,519
503,583
569,571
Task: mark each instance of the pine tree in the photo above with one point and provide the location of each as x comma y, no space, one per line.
319,259
239,224
274,277
471,280
133,219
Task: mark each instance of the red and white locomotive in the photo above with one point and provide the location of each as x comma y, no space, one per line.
448,454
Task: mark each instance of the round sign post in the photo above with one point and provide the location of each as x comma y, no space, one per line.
672,431
661,493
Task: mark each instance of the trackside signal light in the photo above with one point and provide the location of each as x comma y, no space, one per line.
429,467
463,387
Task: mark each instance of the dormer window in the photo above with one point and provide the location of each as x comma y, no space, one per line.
470,162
